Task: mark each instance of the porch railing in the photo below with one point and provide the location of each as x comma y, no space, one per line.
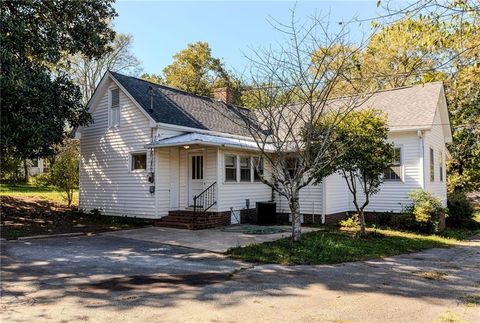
205,200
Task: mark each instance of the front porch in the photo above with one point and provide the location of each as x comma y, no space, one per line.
191,190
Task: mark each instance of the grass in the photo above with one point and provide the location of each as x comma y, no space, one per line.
30,209
30,190
335,246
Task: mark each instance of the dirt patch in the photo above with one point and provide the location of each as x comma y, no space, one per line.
432,275
27,216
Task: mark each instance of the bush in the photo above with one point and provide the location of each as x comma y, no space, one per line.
424,214
351,222
460,211
42,179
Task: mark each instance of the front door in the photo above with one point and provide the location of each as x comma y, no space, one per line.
195,185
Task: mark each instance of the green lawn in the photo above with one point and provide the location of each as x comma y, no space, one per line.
332,246
34,191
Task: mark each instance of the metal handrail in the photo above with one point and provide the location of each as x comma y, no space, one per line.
205,200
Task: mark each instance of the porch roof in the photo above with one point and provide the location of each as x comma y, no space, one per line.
206,140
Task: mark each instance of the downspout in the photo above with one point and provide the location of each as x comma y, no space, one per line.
422,157
324,200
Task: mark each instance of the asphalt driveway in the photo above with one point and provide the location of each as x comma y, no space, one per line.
108,278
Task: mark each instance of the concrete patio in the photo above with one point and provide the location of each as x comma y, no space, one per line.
214,240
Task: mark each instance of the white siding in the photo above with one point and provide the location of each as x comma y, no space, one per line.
393,195
106,182
435,139
209,177
163,158
310,200
234,194
337,194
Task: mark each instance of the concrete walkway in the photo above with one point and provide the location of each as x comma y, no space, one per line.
113,279
215,240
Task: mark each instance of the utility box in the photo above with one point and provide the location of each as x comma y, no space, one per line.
266,213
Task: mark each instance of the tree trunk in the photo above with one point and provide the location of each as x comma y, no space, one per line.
363,230
69,196
25,171
296,223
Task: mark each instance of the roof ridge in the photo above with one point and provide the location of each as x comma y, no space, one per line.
167,87
387,90
179,90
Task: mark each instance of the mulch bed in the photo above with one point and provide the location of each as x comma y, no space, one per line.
26,216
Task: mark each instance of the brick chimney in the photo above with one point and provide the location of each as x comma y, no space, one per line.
223,94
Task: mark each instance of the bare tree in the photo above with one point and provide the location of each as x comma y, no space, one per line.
293,86
87,72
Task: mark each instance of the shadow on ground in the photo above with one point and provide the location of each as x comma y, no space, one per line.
116,273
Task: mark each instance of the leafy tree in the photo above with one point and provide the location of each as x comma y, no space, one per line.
154,78
65,171
38,106
290,101
195,70
86,72
365,155
426,48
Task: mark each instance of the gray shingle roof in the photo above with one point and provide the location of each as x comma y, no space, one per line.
409,107
176,107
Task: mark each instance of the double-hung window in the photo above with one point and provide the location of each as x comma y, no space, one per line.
257,168
395,171
245,169
292,165
230,168
114,108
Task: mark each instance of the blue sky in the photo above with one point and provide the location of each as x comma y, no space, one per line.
162,28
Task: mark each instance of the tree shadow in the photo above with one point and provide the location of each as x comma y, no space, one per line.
117,273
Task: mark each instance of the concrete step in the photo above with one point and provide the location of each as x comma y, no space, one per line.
175,225
179,218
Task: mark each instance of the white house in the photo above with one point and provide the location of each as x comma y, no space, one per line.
151,149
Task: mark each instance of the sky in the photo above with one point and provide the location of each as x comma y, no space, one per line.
232,28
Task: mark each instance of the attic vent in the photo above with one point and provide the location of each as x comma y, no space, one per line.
115,98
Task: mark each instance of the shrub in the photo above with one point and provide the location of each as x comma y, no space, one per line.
424,214
42,179
460,211
351,222
64,172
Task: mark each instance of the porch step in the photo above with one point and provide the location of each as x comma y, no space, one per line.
175,225
177,219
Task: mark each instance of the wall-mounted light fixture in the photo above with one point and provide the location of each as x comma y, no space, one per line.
186,147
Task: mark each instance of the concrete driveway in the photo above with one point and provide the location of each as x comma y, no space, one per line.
108,278
215,240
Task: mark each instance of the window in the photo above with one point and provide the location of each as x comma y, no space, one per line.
440,165
114,110
230,168
139,161
257,168
432,165
197,167
395,171
245,169
292,164
34,162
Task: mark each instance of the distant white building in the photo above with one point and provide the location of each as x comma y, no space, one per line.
36,166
